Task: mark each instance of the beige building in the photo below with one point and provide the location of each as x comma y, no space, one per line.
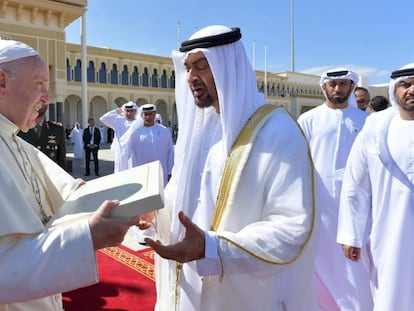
115,77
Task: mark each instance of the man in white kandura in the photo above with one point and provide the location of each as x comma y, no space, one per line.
76,135
152,142
331,129
253,248
378,197
120,120
38,262
158,118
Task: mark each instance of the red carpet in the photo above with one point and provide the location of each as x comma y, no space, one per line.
126,283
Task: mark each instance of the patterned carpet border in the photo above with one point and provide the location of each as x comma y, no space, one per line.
143,265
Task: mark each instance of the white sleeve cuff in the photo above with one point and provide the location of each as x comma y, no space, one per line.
210,264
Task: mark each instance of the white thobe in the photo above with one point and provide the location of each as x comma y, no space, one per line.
76,134
342,284
268,224
378,191
37,264
152,143
120,125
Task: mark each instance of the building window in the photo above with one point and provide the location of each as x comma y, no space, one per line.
102,74
114,74
164,79
154,78
68,70
172,80
91,72
124,76
78,71
145,77
135,77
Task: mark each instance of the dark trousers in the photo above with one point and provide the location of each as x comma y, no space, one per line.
94,152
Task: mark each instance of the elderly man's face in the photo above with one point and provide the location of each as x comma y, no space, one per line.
338,91
28,92
201,81
404,94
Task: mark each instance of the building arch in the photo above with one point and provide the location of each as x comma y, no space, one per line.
97,108
141,101
73,110
119,101
162,109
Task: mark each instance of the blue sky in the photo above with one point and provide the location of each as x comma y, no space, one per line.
372,37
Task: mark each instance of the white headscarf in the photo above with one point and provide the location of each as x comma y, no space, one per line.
393,83
238,98
130,105
348,75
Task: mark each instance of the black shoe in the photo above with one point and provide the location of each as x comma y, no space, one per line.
87,174
97,174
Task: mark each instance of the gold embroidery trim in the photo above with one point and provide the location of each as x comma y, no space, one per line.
237,152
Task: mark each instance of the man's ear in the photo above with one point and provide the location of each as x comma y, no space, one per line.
3,79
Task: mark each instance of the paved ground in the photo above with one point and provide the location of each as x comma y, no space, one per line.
106,162
106,166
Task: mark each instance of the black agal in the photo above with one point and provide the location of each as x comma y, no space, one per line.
210,41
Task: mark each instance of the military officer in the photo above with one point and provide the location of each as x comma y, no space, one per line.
48,137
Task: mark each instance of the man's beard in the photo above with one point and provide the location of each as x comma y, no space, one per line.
207,100
407,104
338,100
204,103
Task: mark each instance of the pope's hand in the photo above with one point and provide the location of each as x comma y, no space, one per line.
192,247
107,231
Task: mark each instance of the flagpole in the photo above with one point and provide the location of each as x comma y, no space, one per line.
84,78
292,39
265,73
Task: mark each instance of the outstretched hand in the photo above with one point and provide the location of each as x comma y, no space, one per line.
192,247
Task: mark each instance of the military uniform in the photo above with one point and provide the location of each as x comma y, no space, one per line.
49,137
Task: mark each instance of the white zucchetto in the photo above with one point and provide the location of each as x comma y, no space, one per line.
11,50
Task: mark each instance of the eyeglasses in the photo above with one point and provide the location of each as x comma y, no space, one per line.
130,110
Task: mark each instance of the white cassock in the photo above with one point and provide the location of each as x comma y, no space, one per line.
342,284
151,143
266,238
120,125
37,264
76,135
378,191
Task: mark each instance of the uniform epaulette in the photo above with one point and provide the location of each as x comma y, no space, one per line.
56,123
